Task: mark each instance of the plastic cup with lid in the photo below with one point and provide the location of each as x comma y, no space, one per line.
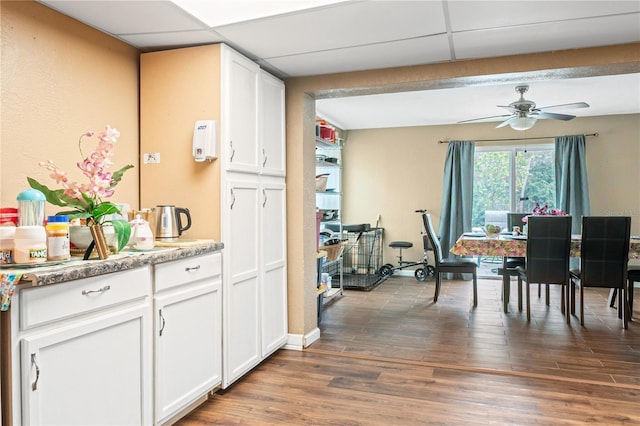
31,208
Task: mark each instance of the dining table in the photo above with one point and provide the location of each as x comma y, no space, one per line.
508,245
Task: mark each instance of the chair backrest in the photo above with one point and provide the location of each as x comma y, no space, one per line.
548,248
605,251
515,219
496,217
433,237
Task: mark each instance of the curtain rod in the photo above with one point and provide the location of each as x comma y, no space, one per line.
518,139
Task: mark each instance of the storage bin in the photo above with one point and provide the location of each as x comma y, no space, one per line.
334,251
321,182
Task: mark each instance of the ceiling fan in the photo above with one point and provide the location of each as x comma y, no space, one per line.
524,112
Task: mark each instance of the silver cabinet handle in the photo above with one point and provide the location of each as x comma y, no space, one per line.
264,198
161,322
233,199
34,385
100,290
233,151
264,155
192,268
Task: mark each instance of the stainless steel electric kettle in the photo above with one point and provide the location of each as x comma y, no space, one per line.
169,223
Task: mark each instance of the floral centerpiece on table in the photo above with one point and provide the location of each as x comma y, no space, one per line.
544,211
85,201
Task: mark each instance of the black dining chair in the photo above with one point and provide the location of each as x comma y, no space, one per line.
633,276
604,257
510,264
444,265
547,261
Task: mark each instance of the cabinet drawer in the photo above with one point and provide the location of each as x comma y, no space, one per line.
180,272
40,305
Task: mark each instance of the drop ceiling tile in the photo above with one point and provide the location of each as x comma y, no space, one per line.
223,12
128,17
383,55
471,15
547,37
338,26
148,42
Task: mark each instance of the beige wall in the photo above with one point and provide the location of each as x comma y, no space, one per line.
170,104
301,93
393,172
61,78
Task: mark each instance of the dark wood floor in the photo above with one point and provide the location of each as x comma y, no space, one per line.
392,356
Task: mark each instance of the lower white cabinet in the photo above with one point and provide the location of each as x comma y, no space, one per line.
255,282
82,352
135,347
188,332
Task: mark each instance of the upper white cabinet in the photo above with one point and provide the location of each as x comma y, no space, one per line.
239,112
271,129
253,132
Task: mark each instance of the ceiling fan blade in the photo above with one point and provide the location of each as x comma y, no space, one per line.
506,122
486,119
509,107
564,106
553,116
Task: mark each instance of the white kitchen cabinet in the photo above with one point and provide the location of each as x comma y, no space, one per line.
255,320
253,131
253,207
274,272
271,129
83,351
241,319
239,112
188,333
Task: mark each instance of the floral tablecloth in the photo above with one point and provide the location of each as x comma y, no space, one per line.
506,246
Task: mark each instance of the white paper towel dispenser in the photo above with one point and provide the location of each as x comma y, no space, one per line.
205,146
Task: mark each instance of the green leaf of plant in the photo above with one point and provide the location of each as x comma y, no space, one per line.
123,231
57,197
117,175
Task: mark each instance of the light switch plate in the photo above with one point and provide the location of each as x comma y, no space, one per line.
151,158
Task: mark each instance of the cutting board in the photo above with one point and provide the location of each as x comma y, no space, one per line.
177,242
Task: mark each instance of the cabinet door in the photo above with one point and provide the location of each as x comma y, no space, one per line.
274,271
241,311
271,124
239,113
188,343
91,372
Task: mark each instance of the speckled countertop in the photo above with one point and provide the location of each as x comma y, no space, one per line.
77,268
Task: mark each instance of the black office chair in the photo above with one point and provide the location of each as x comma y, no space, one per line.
444,265
548,248
603,260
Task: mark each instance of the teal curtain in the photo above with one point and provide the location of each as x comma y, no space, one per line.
572,187
457,193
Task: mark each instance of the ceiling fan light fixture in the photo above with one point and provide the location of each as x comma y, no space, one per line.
522,123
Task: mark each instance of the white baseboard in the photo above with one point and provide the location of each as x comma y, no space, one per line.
298,342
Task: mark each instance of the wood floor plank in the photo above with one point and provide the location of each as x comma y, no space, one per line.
392,356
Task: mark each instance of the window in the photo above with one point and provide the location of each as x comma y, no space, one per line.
512,179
